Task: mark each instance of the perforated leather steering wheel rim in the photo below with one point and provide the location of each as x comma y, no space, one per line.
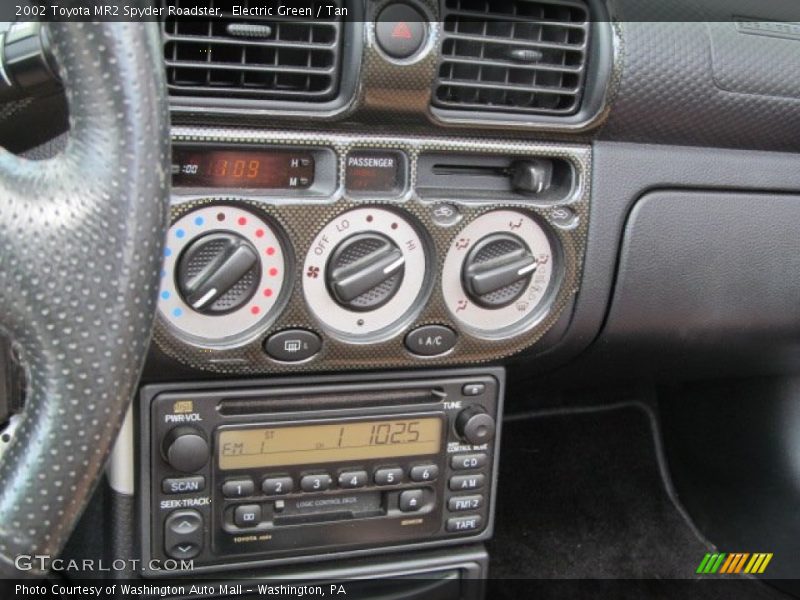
81,241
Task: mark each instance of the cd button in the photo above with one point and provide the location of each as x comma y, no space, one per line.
353,479
247,515
459,483
275,486
410,500
462,462
315,483
388,476
238,488
424,473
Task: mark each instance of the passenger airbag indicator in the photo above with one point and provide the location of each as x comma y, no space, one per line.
375,172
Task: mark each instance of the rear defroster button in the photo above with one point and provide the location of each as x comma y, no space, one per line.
430,340
293,345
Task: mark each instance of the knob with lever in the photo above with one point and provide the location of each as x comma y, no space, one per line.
365,271
497,270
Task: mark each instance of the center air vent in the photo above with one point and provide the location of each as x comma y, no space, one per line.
513,56
246,56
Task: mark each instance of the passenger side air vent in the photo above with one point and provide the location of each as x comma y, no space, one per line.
262,57
513,56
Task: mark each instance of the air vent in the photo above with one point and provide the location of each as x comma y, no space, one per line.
513,56
281,58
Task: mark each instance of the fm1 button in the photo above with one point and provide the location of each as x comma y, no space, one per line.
293,345
400,30
430,340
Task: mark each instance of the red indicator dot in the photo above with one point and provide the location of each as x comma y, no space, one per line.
259,233
270,251
255,310
273,271
267,292
242,221
220,216
369,218
394,225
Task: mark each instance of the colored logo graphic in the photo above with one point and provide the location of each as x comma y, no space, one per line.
735,562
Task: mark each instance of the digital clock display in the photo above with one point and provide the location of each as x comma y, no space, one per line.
258,169
327,443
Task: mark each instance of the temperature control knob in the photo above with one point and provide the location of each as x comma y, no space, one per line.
218,273
475,425
365,271
497,270
185,449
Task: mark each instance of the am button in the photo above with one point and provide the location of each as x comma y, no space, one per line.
430,340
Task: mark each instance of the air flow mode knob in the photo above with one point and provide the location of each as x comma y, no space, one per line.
497,270
218,273
365,271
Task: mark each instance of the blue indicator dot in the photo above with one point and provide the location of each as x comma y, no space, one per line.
199,221
163,273
180,233
177,312
167,252
165,295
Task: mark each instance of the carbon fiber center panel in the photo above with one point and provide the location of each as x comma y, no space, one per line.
301,219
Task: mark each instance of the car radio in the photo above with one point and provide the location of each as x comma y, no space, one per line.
255,473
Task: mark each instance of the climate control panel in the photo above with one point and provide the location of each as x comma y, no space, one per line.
319,277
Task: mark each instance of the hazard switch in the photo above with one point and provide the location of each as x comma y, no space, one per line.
400,30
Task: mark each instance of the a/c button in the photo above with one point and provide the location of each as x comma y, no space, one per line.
430,340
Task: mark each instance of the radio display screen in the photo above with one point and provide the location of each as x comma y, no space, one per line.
258,169
327,443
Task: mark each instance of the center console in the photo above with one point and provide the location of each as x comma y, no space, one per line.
401,265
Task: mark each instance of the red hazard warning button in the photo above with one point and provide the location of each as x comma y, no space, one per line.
400,30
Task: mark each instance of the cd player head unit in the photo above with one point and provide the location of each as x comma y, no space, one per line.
322,467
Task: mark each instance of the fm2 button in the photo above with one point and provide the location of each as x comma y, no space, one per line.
430,340
400,30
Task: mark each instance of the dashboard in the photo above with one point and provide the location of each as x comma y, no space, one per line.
394,224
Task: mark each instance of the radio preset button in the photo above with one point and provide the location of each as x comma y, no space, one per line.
247,515
460,483
470,523
462,462
410,500
353,479
315,483
424,473
388,476
238,488
183,485
461,503
276,486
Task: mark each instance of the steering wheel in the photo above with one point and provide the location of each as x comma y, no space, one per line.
81,240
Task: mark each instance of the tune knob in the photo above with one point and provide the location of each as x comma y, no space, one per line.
218,273
475,425
365,271
497,270
185,449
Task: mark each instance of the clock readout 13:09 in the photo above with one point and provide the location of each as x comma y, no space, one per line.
325,443
260,169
